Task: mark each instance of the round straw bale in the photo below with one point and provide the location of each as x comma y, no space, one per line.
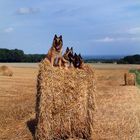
130,79
5,71
65,103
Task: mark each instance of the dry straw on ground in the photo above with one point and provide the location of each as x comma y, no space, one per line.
65,103
130,79
5,71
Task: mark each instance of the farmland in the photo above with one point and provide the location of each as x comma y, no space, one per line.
118,107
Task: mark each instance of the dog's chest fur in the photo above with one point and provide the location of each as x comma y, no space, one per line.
53,53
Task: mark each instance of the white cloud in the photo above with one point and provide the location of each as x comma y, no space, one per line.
134,30
26,10
135,38
8,30
119,39
106,39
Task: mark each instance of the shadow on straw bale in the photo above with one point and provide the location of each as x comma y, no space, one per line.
65,102
31,124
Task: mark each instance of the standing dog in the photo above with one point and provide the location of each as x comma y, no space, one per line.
55,51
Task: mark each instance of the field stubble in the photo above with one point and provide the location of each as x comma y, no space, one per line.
118,107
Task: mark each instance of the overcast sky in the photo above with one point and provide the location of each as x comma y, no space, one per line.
92,27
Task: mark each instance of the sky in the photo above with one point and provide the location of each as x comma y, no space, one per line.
91,27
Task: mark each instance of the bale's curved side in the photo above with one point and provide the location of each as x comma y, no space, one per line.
6,71
65,103
130,79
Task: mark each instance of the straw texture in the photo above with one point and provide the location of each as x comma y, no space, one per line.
5,71
130,79
65,103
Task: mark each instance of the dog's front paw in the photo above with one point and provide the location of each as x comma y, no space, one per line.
52,65
66,68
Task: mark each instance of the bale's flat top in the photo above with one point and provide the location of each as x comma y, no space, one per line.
87,69
3,68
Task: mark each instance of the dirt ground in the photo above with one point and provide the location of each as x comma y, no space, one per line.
117,116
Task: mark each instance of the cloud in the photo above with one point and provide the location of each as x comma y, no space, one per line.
134,30
135,38
26,11
117,39
8,30
106,39
67,12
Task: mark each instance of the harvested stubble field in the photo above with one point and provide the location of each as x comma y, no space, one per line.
117,116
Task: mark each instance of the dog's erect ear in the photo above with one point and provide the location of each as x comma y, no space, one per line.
80,56
71,49
75,55
60,37
67,49
55,36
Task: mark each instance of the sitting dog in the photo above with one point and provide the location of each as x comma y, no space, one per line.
75,60
71,56
66,59
78,61
55,51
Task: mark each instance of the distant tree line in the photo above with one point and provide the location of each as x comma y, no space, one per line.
100,60
134,59
16,55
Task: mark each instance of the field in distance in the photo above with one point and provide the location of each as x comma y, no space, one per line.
117,116
95,65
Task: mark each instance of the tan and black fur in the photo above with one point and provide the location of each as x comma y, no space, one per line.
78,61
55,51
67,57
